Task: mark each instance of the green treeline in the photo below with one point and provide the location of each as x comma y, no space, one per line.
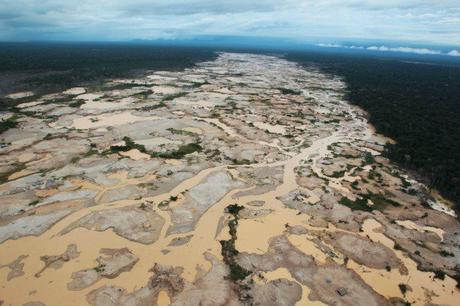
416,104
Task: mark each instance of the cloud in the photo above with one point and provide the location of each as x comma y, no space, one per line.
405,50
422,51
425,21
330,45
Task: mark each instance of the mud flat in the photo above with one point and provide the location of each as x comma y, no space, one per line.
247,180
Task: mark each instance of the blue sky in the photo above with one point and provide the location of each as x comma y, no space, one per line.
425,22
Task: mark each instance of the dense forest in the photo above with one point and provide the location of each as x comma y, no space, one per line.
50,67
416,104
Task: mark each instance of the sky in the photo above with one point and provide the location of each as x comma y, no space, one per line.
327,22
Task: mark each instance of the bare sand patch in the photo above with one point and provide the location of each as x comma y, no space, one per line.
75,91
106,120
135,154
276,129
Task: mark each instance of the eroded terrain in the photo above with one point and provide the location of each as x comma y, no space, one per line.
242,181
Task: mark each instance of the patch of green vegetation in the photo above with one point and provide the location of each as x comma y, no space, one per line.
212,153
354,185
374,175
163,204
122,86
173,198
457,278
129,145
380,201
181,132
232,104
403,288
33,203
440,274
368,158
75,159
90,152
37,115
100,268
234,209
143,95
361,203
265,101
148,185
180,152
198,84
153,107
77,103
9,123
229,252
241,161
289,91
48,136
23,111
445,253
405,183
358,204
338,174
57,100
174,96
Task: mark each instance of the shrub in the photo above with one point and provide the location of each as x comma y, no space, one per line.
9,123
77,103
289,91
180,152
129,145
403,288
440,274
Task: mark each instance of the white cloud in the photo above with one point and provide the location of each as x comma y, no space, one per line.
405,50
423,51
330,45
454,53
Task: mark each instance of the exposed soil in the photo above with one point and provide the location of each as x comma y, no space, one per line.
136,180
